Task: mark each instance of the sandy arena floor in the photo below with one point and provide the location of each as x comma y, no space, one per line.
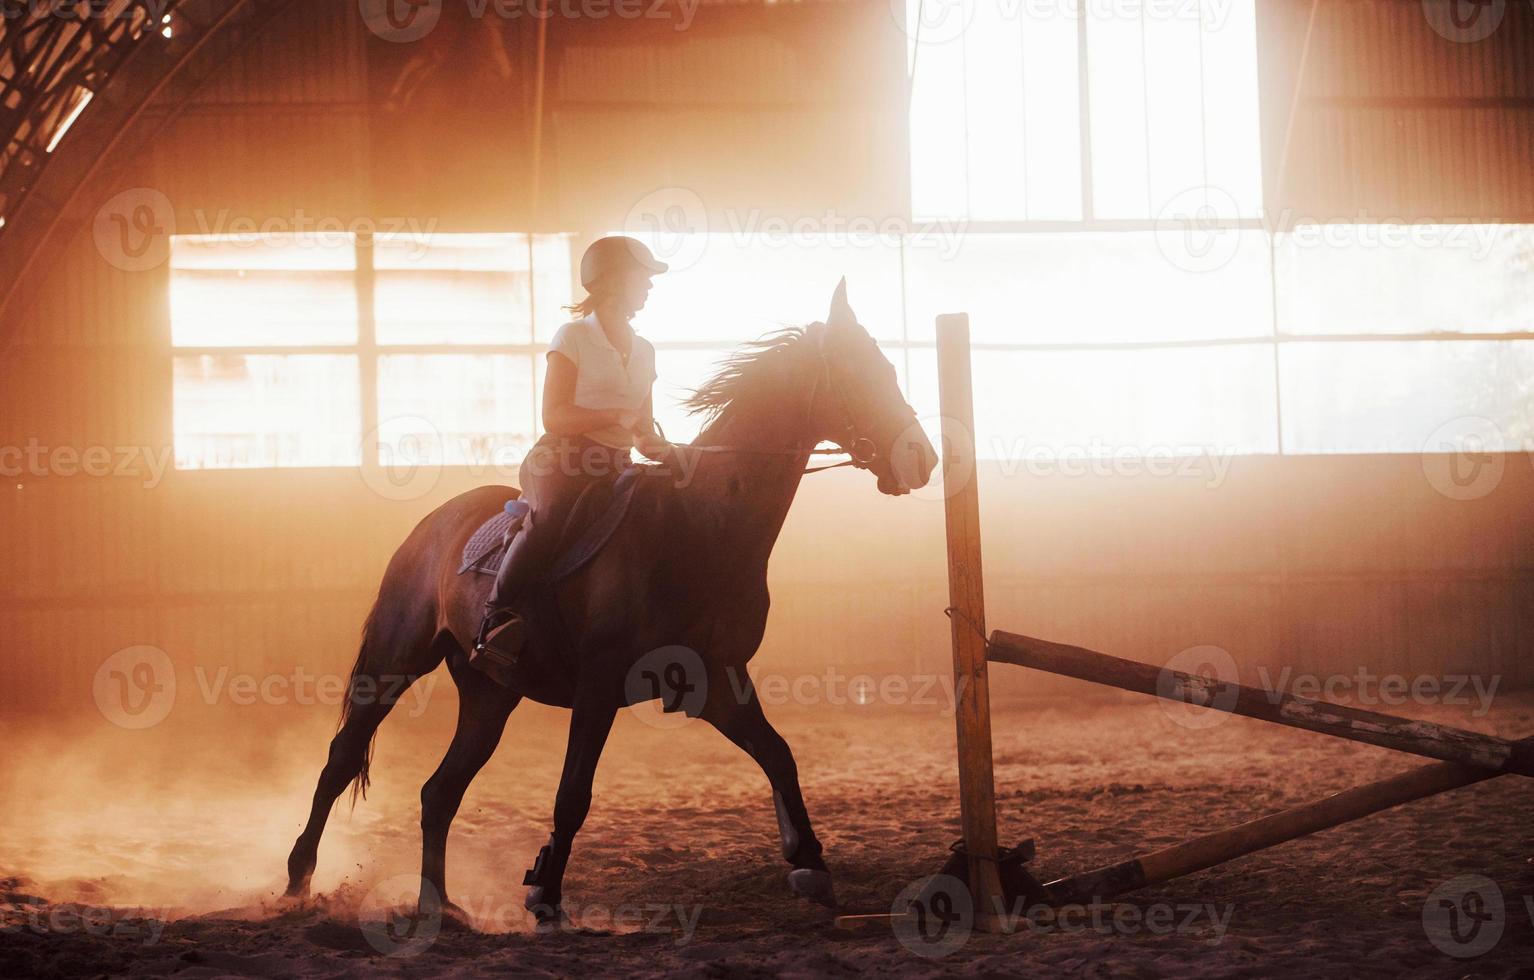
678,864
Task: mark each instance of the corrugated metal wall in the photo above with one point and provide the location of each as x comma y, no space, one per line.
1397,120
1324,564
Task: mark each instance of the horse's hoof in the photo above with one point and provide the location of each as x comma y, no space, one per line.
814,885
548,913
453,916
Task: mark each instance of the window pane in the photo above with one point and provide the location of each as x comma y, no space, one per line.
1232,120
455,409
681,371
1398,396
1406,279
553,283
938,124
735,287
1095,288
1174,106
1116,81
1216,400
266,410
453,289
995,115
253,291
1052,112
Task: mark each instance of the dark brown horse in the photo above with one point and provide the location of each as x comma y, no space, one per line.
673,606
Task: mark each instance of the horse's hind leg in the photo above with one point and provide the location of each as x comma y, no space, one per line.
393,657
742,722
482,712
348,752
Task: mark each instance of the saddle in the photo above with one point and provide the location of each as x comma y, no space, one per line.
597,514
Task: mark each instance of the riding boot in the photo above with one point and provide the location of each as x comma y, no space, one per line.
499,644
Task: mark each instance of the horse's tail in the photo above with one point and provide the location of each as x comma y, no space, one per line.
359,670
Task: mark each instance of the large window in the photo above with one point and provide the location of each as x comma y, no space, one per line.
1085,182
340,350
1128,292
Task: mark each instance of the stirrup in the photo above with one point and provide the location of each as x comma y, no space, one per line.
504,641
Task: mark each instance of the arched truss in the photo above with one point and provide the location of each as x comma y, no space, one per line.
75,79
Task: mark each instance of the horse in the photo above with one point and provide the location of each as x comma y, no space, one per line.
685,571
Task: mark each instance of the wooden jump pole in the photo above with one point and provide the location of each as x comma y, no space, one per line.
1264,832
966,598
1485,752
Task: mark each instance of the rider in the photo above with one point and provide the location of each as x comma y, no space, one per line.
596,408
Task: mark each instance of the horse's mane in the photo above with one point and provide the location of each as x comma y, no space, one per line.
740,372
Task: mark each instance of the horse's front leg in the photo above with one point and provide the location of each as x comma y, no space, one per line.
590,721
740,719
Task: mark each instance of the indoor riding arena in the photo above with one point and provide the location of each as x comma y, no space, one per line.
767,488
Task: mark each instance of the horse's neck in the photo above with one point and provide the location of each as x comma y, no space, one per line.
748,494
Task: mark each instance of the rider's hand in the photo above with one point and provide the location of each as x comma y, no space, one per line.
653,447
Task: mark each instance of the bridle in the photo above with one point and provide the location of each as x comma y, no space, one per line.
862,452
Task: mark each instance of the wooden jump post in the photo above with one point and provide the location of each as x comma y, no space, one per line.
1466,757
966,600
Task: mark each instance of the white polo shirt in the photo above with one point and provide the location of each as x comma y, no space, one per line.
603,382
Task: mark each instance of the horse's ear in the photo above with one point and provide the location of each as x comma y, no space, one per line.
841,313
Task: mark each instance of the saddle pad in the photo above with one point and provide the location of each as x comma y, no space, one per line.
487,545
589,540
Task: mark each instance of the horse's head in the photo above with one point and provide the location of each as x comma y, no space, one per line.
859,404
